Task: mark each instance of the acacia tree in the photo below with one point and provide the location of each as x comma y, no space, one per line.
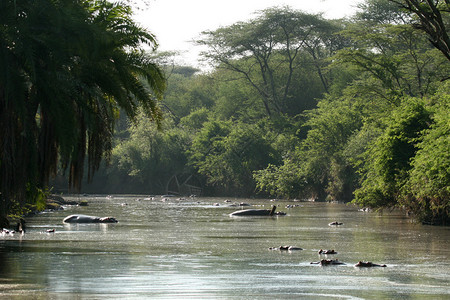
396,57
433,18
66,67
267,51
389,62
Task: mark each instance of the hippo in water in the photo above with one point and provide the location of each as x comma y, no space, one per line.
257,212
88,219
328,262
368,264
285,248
327,251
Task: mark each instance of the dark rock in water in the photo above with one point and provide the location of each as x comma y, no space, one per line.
56,198
83,203
53,206
60,200
336,223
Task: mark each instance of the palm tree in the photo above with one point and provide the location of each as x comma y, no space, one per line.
67,68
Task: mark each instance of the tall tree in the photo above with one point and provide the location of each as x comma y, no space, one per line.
389,63
433,18
66,67
396,57
427,192
267,51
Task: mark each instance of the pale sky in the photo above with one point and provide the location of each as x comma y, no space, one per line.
175,23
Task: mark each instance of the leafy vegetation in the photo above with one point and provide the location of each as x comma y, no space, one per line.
67,67
294,106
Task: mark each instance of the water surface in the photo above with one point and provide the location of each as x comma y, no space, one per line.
192,249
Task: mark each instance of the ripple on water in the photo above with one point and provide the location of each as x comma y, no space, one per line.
185,249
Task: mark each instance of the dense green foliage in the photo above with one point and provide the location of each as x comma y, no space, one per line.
294,106
427,190
298,106
66,68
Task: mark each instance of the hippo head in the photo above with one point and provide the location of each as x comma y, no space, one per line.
108,220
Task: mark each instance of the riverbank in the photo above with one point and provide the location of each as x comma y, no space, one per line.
53,203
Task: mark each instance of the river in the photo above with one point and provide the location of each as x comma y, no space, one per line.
171,248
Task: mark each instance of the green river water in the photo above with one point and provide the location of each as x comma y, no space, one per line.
171,248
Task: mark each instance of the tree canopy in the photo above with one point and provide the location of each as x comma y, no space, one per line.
294,106
67,67
271,53
298,106
433,17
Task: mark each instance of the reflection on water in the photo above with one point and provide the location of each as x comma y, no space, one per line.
193,249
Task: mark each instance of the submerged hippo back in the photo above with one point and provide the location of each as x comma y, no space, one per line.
251,212
255,212
81,219
108,220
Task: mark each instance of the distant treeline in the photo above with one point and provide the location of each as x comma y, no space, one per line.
298,106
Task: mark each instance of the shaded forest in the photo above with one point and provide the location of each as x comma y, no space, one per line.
293,106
